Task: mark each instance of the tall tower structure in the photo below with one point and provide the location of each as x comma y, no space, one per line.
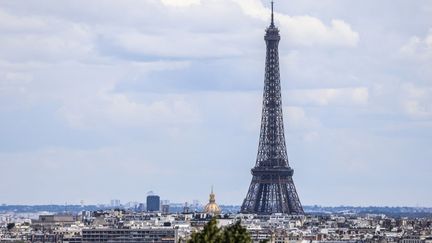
272,188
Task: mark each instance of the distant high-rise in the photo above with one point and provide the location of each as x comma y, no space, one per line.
141,207
272,188
153,203
115,203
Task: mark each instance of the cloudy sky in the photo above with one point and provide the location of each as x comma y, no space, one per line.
109,99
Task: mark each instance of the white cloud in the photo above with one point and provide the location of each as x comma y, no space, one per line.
307,30
86,94
417,109
296,118
416,101
330,96
13,23
13,83
66,42
51,36
297,121
175,44
180,3
118,110
418,47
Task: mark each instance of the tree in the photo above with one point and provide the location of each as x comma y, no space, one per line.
211,233
234,233
10,226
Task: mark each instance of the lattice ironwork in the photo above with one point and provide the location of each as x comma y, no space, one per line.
272,188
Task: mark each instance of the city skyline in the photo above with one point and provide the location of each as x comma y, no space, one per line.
103,100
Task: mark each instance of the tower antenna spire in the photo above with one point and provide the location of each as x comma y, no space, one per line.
272,15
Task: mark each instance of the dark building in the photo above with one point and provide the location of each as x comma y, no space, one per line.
163,235
272,188
153,203
141,207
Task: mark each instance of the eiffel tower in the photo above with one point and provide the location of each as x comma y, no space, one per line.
272,188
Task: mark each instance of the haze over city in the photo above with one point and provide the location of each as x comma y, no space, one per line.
112,99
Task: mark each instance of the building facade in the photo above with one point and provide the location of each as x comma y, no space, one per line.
153,203
163,235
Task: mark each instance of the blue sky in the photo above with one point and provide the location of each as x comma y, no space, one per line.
112,99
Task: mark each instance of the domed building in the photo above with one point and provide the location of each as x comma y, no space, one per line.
212,207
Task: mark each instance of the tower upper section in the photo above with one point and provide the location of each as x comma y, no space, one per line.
272,32
272,149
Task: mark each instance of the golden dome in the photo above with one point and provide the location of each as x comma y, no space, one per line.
212,207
